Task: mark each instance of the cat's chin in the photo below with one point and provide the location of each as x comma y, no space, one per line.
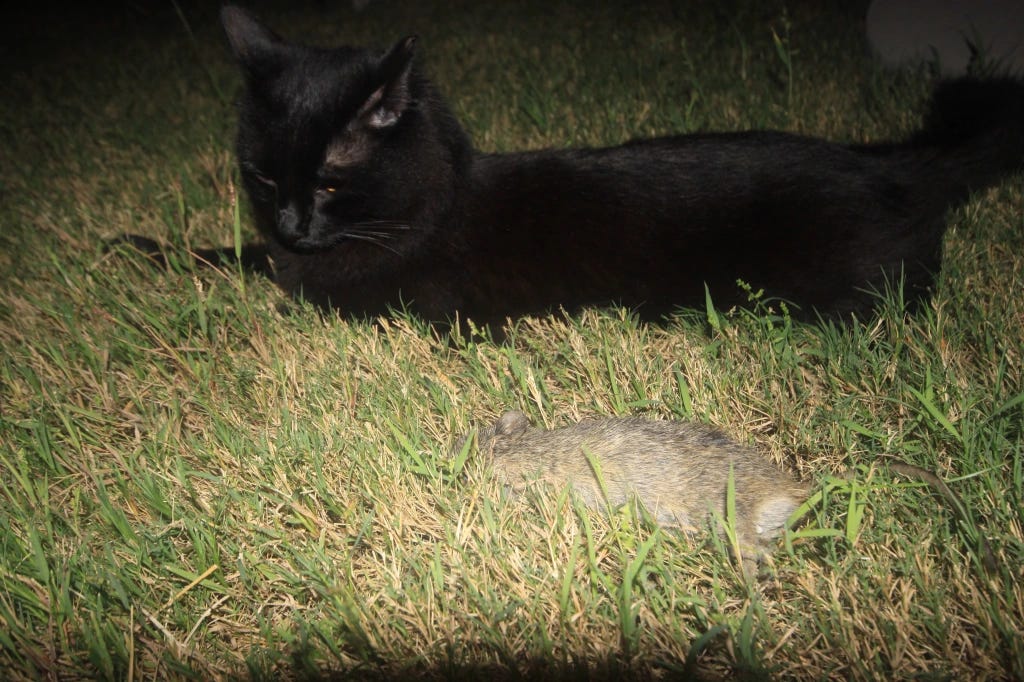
311,244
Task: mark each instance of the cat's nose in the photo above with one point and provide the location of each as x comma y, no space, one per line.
290,225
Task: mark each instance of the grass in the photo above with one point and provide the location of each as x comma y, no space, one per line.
198,481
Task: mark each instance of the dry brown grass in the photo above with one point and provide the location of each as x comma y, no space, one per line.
200,480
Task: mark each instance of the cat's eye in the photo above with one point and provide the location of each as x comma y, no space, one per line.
251,171
264,188
262,179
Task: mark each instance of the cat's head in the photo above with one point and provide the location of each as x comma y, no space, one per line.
347,149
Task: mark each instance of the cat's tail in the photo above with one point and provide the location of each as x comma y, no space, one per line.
972,138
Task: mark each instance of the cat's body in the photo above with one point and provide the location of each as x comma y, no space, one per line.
370,196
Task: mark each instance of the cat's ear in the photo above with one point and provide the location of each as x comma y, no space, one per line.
392,97
257,48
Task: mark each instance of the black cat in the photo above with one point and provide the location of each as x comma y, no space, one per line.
370,196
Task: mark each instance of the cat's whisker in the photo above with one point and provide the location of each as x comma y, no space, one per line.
366,238
384,224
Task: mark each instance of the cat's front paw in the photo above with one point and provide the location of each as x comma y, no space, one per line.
136,244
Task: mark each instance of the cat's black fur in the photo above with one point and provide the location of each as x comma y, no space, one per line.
370,196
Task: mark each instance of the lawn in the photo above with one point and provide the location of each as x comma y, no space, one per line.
202,479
